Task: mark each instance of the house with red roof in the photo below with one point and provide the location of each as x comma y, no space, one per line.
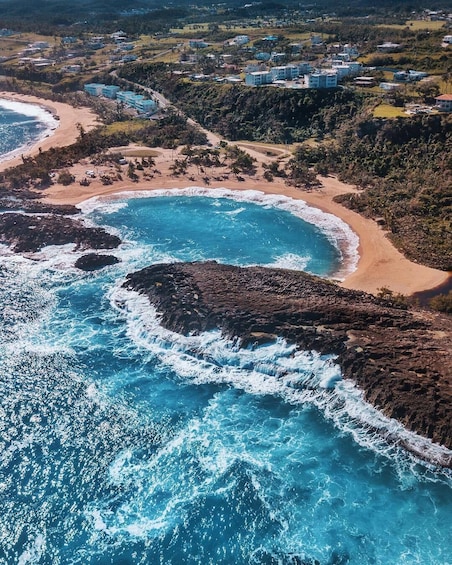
444,103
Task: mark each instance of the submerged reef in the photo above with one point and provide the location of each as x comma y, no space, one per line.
401,358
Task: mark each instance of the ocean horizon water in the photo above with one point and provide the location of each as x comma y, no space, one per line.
124,443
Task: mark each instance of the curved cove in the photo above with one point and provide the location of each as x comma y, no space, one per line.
123,443
232,227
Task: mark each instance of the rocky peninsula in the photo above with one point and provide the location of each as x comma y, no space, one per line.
401,358
27,233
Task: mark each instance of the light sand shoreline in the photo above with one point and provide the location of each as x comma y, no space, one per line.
69,119
380,263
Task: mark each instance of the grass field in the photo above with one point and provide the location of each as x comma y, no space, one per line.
271,150
416,25
127,127
388,111
139,152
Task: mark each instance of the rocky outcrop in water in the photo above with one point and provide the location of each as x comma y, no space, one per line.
402,359
25,199
94,261
30,233
37,207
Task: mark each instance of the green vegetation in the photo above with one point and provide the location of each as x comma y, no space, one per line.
442,303
253,114
34,172
417,25
405,168
394,298
388,111
65,178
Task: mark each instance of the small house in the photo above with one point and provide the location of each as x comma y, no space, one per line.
444,103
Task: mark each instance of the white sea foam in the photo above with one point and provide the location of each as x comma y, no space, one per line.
290,261
336,230
234,212
39,113
34,553
277,369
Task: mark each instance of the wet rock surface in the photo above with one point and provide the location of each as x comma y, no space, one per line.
401,359
37,207
94,261
30,233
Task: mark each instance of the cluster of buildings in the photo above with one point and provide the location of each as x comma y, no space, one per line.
138,102
33,49
311,78
72,47
409,76
401,77
123,46
270,69
342,65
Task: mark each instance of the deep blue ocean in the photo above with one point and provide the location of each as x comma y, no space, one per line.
124,443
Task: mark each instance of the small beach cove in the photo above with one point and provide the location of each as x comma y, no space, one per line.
380,264
149,445
64,122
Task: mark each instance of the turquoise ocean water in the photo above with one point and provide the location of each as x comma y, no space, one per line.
123,443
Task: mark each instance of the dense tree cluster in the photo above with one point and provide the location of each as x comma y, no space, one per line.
405,168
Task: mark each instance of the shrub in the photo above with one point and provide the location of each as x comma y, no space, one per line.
65,178
442,303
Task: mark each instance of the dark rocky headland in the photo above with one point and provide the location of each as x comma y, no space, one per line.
28,233
401,358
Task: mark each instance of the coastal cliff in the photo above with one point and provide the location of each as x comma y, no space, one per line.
401,359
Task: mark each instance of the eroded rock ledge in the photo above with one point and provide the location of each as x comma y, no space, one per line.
402,359
32,232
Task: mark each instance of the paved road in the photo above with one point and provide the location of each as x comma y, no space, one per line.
165,103
212,137
162,101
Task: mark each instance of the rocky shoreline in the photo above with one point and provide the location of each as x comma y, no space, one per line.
28,224
401,358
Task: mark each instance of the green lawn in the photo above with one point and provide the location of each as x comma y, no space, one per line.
388,111
127,127
417,25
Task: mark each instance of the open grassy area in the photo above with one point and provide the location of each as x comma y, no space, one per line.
14,44
166,57
191,28
388,111
271,150
416,25
444,87
298,36
127,126
139,152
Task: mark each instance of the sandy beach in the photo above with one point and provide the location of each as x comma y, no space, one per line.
380,264
69,119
